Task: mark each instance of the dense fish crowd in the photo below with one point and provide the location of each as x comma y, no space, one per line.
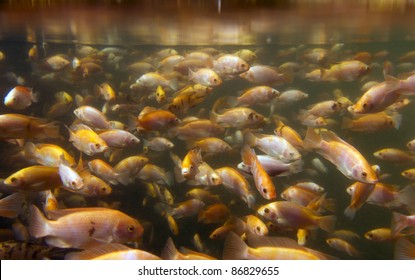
302,152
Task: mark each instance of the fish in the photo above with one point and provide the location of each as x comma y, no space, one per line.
267,75
61,105
70,178
229,64
238,117
151,119
235,182
191,162
236,249
188,97
119,138
157,144
92,117
393,155
20,97
372,122
348,70
111,251
170,252
86,140
17,126
256,225
273,146
274,167
343,246
34,178
84,227
361,193
153,79
47,154
344,156
263,182
292,215
205,76
214,213
128,168
17,250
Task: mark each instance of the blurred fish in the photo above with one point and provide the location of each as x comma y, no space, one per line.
86,140
266,75
153,119
170,252
212,214
20,98
88,227
112,251
12,206
404,250
92,117
61,105
15,250
118,138
157,144
343,246
15,126
190,163
344,156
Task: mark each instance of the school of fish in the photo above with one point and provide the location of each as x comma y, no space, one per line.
207,153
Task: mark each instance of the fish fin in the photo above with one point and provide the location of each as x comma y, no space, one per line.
399,222
248,155
38,224
330,205
288,73
312,139
124,178
174,84
133,123
56,241
35,96
350,211
11,206
178,175
51,130
347,123
30,151
296,166
170,251
249,138
327,223
169,178
396,120
404,250
250,200
407,197
234,247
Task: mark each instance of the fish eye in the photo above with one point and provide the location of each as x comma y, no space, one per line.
73,183
370,235
97,145
266,210
264,190
334,106
103,189
258,229
130,228
191,167
292,154
364,174
243,65
13,179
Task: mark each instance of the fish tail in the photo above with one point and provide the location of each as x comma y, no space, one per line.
169,178
133,123
124,178
250,200
347,123
407,197
312,139
249,138
396,120
30,151
350,211
35,96
399,222
11,206
52,130
234,248
296,166
327,223
404,250
330,205
174,84
38,224
169,251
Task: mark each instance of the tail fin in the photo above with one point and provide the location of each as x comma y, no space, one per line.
247,155
170,251
249,138
407,197
51,130
38,224
396,120
399,222
11,206
327,223
30,151
350,211
404,250
296,166
234,248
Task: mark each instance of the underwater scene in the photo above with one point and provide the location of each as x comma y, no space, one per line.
212,130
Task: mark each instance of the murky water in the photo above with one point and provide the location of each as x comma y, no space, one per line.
137,201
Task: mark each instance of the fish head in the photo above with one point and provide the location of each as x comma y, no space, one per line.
267,212
365,175
128,229
132,140
11,100
96,147
215,81
248,75
14,181
215,179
